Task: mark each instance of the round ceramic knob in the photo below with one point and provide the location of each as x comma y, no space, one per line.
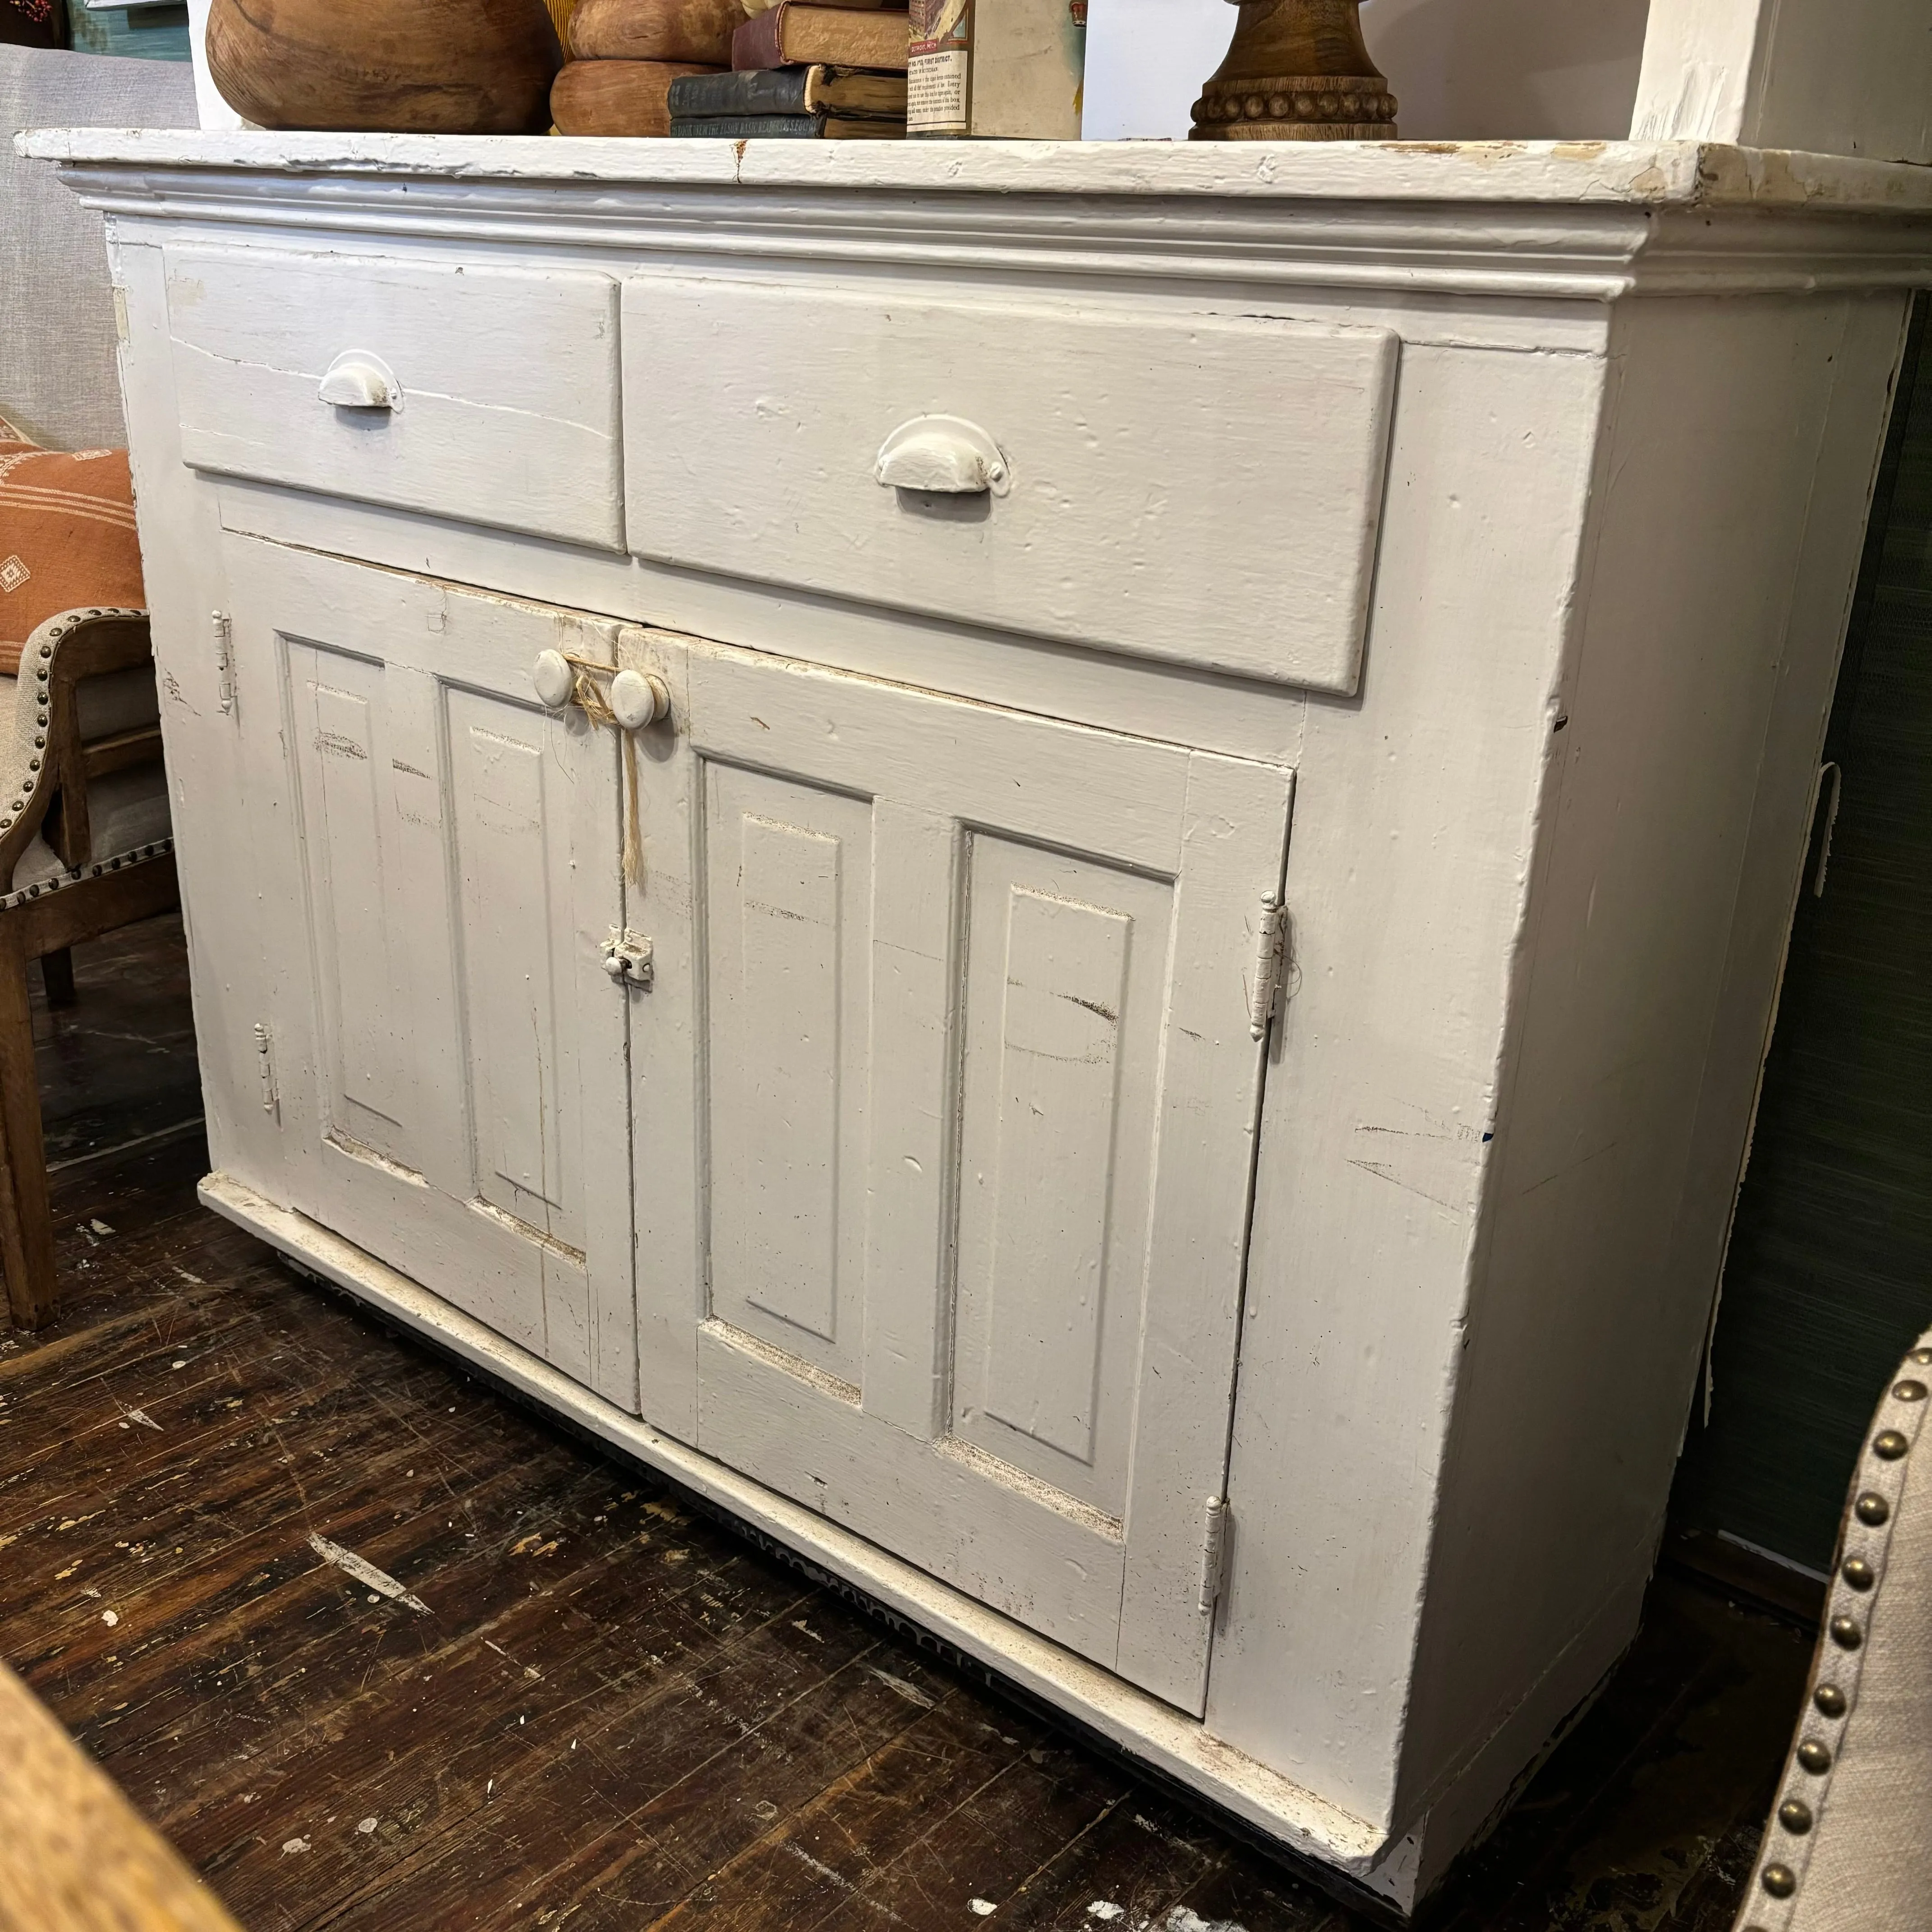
638,699
554,679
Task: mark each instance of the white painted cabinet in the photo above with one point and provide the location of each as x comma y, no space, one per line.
445,1050
946,1087
1289,1388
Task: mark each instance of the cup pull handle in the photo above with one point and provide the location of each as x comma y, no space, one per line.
359,382
945,454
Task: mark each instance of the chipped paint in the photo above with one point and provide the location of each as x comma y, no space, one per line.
366,1574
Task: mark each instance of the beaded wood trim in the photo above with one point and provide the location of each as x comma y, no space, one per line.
1296,107
1832,1694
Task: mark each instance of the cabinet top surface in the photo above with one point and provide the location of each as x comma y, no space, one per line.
1633,174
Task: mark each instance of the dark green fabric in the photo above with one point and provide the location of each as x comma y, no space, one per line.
1830,1272
142,33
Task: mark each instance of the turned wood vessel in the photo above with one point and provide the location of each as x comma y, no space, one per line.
421,67
1297,70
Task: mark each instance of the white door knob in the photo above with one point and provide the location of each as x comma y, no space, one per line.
638,699
554,679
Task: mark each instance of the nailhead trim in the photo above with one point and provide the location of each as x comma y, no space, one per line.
120,862
1784,1857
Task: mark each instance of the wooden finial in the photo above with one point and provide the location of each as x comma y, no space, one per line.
1297,70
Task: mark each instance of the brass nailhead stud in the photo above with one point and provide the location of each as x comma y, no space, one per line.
1909,1391
1795,1815
1846,1633
1889,1445
1923,1357
1781,1881
1858,1572
1829,1700
1872,1509
1814,1757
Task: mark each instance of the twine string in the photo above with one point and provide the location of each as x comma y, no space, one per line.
588,692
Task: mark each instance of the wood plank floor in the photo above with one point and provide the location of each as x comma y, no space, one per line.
603,1711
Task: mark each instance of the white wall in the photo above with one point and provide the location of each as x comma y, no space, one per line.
215,113
1463,69
1836,77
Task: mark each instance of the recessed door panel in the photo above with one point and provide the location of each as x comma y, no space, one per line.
965,1042
788,903
1066,970
512,824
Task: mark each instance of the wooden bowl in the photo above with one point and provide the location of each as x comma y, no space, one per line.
421,67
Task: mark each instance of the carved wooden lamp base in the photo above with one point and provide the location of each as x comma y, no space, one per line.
1297,70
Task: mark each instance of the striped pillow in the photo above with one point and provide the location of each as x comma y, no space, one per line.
67,537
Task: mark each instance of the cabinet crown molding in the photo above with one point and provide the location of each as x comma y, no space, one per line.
1579,220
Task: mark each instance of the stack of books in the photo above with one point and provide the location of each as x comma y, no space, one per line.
801,70
625,54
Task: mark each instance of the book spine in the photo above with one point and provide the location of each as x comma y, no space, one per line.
760,91
760,42
939,71
750,126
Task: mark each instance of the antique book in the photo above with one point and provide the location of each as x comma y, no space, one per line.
1010,68
617,97
655,30
795,35
788,128
849,91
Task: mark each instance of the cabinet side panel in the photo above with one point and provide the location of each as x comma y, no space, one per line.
1672,828
228,832
1414,821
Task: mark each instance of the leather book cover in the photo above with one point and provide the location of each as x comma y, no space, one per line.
786,128
617,97
792,90
655,30
795,35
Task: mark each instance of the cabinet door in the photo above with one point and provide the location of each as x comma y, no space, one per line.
449,1055
946,1096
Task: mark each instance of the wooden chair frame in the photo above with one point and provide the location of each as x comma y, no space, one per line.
41,921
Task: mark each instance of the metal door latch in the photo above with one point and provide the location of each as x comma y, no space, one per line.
627,958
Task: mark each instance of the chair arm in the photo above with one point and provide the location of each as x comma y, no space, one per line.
46,758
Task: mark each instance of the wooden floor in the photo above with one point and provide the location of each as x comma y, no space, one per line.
595,1709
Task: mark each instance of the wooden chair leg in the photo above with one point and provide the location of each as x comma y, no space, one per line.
26,1219
57,976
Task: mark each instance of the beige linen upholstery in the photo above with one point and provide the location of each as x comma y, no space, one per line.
126,806
57,341
1846,1847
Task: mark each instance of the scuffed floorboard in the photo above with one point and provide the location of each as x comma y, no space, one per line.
610,1713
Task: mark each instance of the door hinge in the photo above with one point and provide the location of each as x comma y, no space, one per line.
1213,1554
224,662
266,1053
1268,949
627,958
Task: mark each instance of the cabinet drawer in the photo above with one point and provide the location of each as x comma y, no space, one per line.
503,384
1200,488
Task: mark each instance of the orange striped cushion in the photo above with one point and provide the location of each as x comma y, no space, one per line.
67,537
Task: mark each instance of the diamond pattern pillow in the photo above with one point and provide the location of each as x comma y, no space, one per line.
67,536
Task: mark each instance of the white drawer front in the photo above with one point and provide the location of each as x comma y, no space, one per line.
1200,488
504,407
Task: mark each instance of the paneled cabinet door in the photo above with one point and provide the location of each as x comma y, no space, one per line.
447,1054
945,1097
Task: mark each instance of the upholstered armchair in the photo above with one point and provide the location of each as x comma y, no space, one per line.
84,843
1845,1850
